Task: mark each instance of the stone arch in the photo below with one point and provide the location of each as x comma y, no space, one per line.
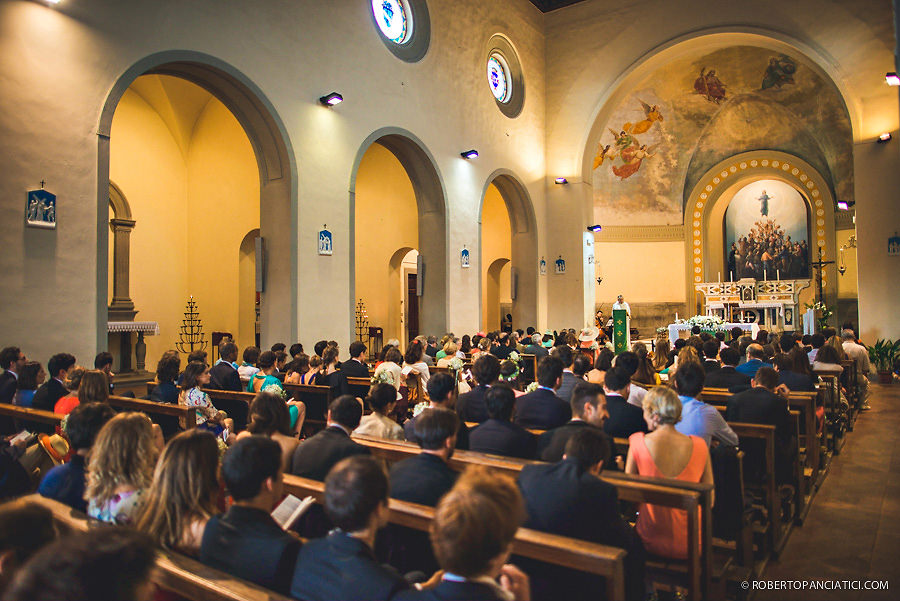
431,202
275,161
524,247
118,202
705,209
121,307
247,286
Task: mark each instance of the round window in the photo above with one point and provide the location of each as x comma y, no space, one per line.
498,77
394,19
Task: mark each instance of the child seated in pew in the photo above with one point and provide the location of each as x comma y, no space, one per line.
246,541
472,533
184,493
196,374
381,399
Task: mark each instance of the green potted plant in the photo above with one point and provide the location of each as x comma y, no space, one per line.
882,355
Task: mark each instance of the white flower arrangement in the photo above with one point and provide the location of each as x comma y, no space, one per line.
514,357
420,407
705,322
818,306
383,377
532,387
455,364
274,389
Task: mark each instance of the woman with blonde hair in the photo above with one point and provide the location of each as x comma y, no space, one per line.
688,354
451,351
65,405
666,453
120,468
93,387
184,492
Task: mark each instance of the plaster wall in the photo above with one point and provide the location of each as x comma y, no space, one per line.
387,226
877,218
641,271
53,94
496,242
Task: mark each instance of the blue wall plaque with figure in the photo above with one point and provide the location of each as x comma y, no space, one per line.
40,209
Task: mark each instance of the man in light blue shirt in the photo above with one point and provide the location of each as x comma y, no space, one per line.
698,418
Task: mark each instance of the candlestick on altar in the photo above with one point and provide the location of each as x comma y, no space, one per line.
720,277
732,276
765,278
777,274
676,316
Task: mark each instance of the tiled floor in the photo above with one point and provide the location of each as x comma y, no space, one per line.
852,531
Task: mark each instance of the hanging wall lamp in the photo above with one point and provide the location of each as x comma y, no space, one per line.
332,99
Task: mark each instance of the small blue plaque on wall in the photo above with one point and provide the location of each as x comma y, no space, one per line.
464,257
560,266
894,245
325,243
40,209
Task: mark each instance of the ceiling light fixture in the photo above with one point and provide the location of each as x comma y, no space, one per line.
331,99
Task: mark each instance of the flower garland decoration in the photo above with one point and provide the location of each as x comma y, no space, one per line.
705,322
274,389
532,387
514,357
511,377
383,377
420,407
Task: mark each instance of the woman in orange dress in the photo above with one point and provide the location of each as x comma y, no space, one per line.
668,454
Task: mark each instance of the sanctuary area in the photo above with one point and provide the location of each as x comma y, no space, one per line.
449,299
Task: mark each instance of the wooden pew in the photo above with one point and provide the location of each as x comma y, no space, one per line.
359,386
29,415
805,403
634,489
171,418
550,548
235,404
180,574
316,399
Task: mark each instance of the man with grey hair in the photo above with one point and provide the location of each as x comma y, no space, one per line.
535,347
428,359
755,357
860,356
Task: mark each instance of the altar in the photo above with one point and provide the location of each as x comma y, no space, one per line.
773,304
675,329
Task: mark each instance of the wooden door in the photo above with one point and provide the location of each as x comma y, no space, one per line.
412,306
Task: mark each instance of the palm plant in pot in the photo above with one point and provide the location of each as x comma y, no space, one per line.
882,355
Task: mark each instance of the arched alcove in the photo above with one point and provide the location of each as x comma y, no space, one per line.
275,163
497,274
523,247
247,306
121,307
709,199
430,197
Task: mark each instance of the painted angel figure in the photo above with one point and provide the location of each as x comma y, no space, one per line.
764,203
603,154
652,114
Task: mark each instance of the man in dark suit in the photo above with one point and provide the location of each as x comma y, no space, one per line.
440,388
502,349
246,541
755,360
542,409
793,380
710,352
569,379
471,406
761,405
431,348
727,376
588,413
624,418
54,389
536,348
355,366
425,478
224,375
497,435
568,498
12,360
318,454
342,565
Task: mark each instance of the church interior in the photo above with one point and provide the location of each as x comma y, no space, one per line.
425,174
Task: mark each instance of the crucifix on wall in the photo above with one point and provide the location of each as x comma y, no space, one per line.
819,266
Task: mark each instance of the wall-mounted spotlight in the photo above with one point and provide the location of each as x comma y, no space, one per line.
469,154
892,79
561,180
594,228
885,137
843,205
331,99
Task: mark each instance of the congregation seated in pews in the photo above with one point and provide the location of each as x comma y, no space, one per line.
544,460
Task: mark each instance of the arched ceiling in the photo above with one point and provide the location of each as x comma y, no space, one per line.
178,102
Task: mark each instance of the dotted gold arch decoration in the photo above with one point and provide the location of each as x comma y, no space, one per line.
801,178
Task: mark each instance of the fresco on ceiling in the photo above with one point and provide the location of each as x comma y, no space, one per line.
767,232
683,118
